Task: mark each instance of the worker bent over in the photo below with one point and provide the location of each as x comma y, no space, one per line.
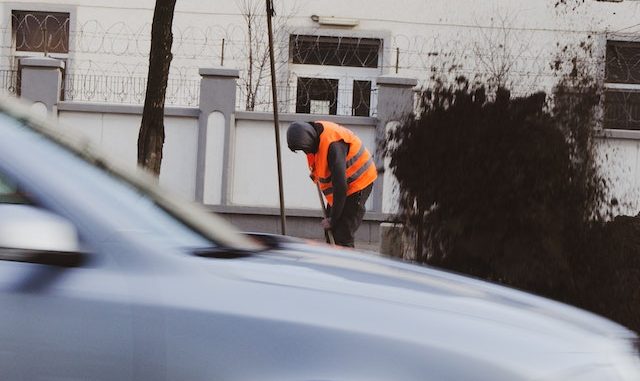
343,169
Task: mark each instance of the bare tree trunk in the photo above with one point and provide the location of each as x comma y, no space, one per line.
151,137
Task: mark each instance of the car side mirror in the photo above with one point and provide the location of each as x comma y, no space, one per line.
30,234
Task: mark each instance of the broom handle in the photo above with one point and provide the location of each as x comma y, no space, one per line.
324,213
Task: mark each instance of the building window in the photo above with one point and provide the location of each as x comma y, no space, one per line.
37,31
361,102
334,75
622,85
317,96
335,51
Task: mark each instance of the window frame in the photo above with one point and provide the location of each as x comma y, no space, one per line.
619,88
45,51
346,74
339,40
15,55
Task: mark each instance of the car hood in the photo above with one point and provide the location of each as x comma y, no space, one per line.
315,284
382,281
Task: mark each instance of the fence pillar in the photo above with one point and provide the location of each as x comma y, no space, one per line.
41,80
395,102
215,134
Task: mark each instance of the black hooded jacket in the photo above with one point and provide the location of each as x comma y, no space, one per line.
302,136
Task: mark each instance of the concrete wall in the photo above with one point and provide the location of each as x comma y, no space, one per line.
253,177
226,159
253,192
254,172
215,155
253,200
114,131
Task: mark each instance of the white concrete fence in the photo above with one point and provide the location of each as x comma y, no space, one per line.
226,159
221,158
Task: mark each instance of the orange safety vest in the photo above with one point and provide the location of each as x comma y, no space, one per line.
361,171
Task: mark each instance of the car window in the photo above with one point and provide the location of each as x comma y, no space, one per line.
10,193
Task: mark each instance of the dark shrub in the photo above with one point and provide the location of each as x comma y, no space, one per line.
508,190
610,281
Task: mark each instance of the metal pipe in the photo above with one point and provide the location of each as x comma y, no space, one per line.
276,121
222,54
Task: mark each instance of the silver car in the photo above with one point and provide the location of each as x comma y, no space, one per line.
103,277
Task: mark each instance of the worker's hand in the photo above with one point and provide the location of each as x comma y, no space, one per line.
326,223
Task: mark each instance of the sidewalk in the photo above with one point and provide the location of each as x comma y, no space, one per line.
368,246
364,246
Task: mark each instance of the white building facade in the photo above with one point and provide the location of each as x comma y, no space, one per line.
332,47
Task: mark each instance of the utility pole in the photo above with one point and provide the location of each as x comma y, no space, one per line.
276,121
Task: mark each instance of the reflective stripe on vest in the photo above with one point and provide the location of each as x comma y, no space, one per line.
360,168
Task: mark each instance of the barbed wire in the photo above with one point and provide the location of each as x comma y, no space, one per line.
9,82
119,53
125,89
122,40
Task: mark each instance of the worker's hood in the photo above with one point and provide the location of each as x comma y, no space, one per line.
301,136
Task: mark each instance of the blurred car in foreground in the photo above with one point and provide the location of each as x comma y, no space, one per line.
103,277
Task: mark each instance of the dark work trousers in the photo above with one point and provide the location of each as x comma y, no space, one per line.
345,228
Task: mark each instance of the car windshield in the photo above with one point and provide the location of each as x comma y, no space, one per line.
131,198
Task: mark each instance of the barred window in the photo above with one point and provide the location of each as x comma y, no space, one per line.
317,96
623,62
361,102
334,51
36,31
622,85
622,109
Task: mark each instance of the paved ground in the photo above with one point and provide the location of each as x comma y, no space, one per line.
367,246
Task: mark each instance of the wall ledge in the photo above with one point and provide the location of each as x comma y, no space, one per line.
340,119
620,134
112,108
219,72
396,81
42,62
268,211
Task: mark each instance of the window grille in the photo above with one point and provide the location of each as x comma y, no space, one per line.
335,51
622,85
35,31
361,103
317,96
